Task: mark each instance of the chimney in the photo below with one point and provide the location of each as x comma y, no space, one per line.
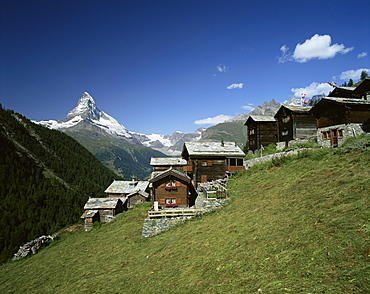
222,143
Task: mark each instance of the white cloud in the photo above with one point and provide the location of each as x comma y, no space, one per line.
353,74
285,57
248,107
317,47
313,89
361,55
235,86
213,120
222,68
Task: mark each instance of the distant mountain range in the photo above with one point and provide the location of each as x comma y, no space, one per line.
128,153
86,116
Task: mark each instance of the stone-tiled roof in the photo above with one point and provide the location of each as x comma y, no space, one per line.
127,187
170,171
347,100
212,149
89,213
154,161
260,118
297,108
103,203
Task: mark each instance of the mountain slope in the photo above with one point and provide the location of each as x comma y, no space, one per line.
115,146
46,178
299,227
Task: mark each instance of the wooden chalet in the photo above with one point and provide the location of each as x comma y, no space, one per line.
161,164
295,123
172,188
261,130
339,118
102,209
361,91
209,161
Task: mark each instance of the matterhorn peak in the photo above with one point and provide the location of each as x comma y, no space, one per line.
86,108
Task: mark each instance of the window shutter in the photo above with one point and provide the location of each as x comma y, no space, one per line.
162,201
178,200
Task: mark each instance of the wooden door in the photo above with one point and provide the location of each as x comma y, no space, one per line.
334,137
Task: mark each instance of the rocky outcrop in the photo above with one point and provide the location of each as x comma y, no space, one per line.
32,247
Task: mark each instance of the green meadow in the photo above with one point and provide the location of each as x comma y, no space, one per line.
295,225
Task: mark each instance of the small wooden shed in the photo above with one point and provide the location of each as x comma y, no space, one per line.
137,197
173,188
339,118
295,123
102,209
125,188
261,130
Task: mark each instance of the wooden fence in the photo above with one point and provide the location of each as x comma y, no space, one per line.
174,212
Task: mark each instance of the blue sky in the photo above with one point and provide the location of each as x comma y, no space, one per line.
176,65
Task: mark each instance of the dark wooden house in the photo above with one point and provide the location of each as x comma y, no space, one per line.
261,130
295,123
172,188
161,164
209,161
339,118
361,91
102,209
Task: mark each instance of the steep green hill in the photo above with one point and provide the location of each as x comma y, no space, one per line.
233,131
46,178
294,225
126,159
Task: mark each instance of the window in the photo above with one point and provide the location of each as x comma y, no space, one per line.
285,119
340,133
204,163
285,132
325,135
171,202
235,162
170,185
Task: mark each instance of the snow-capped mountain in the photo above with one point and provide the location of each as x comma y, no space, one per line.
87,112
86,115
294,101
169,144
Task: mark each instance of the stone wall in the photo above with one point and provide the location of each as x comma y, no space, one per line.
348,130
249,163
152,227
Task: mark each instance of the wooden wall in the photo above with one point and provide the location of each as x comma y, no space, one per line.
180,193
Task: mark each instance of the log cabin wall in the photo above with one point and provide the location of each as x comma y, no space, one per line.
267,133
137,198
209,169
285,128
179,193
305,127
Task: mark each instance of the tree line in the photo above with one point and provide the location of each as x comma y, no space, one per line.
46,178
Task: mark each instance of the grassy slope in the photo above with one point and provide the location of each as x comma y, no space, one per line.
302,227
234,131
